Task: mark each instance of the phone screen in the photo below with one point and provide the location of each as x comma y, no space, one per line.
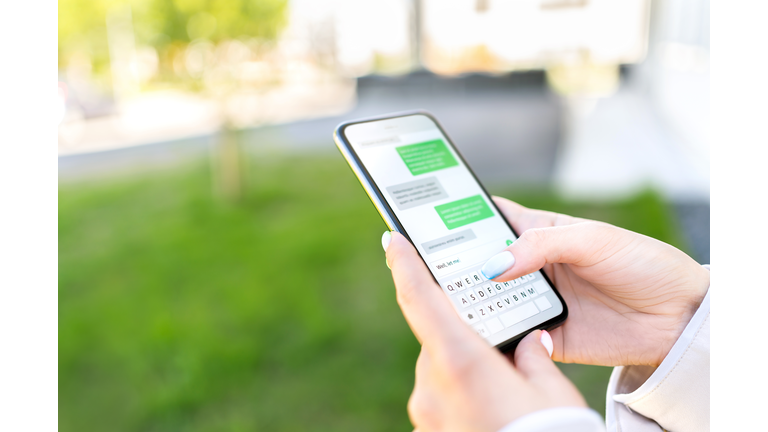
452,223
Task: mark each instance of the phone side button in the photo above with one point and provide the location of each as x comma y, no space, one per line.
515,316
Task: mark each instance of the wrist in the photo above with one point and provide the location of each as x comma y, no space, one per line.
686,307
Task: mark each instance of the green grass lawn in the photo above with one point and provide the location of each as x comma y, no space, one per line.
179,313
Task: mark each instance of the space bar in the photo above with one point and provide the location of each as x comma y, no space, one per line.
513,317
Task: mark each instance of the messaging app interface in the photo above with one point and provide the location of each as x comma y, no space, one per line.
452,224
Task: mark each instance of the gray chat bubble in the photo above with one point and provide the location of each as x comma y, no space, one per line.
417,192
448,241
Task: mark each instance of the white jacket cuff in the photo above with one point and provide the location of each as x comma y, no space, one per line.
675,395
571,419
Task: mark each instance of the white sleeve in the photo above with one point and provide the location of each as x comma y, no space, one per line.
675,395
571,419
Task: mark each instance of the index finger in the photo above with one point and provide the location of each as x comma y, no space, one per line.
426,308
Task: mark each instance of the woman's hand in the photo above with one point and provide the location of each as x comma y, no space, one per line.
629,296
462,383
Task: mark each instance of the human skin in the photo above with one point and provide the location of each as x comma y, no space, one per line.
462,383
629,298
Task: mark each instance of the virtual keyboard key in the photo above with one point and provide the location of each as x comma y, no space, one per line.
472,297
491,308
523,294
450,288
481,330
476,278
498,287
462,300
500,305
459,284
494,325
543,303
541,286
470,316
519,314
481,294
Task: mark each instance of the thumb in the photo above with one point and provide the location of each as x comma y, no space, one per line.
533,354
581,244
426,308
533,361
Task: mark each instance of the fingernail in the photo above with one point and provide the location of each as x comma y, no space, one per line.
498,264
385,239
546,340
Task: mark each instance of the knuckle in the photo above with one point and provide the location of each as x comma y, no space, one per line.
422,363
534,236
563,219
602,226
595,226
419,410
415,404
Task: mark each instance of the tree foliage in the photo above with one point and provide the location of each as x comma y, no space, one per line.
165,23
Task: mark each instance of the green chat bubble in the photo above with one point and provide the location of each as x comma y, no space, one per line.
426,156
464,211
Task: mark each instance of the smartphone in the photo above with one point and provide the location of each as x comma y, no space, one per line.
424,189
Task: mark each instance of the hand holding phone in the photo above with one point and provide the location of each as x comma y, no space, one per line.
462,383
631,295
635,296
424,189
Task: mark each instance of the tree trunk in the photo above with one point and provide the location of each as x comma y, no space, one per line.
228,165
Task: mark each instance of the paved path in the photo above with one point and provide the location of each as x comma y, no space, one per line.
510,130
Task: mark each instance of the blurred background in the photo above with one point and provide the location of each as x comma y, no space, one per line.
219,264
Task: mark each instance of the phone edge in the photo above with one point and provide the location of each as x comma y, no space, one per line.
390,219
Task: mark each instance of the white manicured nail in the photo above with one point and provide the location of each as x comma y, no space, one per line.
546,340
498,264
385,239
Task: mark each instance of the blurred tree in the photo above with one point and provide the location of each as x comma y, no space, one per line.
188,39
163,23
